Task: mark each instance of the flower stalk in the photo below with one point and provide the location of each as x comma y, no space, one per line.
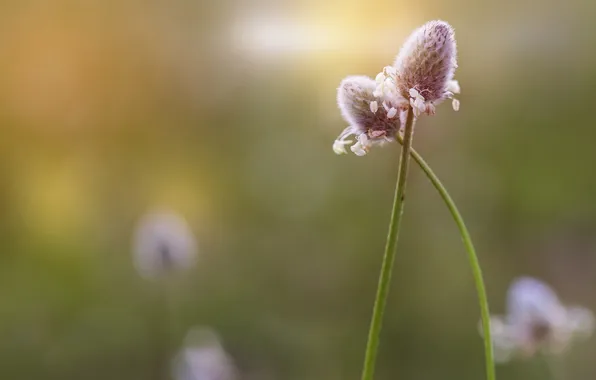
421,77
390,251
472,258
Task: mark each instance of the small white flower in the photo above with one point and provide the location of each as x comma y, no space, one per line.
537,321
374,107
163,243
203,358
392,112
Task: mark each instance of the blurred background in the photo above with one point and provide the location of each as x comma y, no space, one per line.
225,113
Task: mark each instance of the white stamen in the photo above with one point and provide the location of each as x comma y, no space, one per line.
358,150
419,102
453,86
455,104
390,71
374,107
362,146
339,146
430,109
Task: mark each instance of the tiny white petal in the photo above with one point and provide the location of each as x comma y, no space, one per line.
455,104
374,107
392,112
414,93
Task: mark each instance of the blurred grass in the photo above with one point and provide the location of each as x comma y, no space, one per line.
111,108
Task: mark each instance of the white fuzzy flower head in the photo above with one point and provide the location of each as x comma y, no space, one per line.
203,358
426,64
163,243
537,321
368,122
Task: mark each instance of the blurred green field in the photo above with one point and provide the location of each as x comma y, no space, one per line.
225,112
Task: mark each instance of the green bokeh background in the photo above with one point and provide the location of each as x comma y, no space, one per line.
225,112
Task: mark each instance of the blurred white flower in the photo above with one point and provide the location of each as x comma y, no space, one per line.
537,321
420,78
203,358
163,243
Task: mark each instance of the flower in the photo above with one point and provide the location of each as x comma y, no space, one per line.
163,242
426,64
536,321
369,123
203,358
421,77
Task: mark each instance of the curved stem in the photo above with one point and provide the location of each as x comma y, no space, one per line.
389,255
472,257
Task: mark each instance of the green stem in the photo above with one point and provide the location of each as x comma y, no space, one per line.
553,366
389,256
472,257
